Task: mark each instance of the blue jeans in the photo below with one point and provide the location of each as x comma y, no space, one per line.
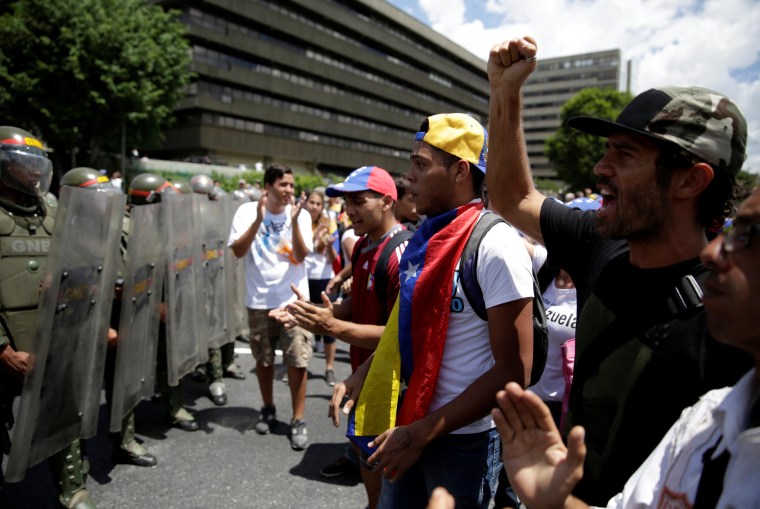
466,465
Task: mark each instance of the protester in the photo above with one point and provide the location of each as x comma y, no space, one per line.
443,434
709,458
642,349
370,196
273,235
406,209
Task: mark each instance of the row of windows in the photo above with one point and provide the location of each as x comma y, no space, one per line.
296,134
406,39
611,75
209,21
203,55
598,61
569,91
228,95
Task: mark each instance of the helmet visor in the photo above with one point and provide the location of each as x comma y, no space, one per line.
25,169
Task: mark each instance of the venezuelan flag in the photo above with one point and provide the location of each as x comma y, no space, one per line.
412,344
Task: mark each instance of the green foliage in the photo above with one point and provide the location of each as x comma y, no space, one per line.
230,183
307,183
548,185
72,71
572,153
747,183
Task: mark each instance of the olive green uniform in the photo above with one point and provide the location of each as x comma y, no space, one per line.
25,234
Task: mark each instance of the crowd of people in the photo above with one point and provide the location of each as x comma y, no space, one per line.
649,287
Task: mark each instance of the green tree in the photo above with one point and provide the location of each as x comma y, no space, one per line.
572,153
78,72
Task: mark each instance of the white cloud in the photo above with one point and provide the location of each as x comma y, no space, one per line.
670,42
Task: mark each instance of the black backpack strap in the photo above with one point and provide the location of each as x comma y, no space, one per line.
381,267
468,278
358,249
468,263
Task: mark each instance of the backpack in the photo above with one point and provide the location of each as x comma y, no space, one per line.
381,268
468,277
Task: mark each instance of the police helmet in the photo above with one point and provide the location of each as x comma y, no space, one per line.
24,165
88,178
147,188
182,186
240,195
201,184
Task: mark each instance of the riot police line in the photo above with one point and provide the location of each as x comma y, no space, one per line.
177,270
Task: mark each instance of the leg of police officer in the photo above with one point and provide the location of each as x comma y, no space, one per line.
128,449
172,395
69,470
231,370
216,388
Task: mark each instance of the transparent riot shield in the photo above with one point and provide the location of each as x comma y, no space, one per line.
186,323
214,230
135,373
61,394
237,316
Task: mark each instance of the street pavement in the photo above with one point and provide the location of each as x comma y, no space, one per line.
225,464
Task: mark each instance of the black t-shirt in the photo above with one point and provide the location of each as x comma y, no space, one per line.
637,364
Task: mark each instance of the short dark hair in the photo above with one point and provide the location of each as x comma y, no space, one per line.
274,172
402,186
478,177
716,203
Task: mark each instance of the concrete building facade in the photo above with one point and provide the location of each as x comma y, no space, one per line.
321,85
555,81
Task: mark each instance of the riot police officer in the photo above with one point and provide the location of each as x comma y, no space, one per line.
129,449
221,360
144,189
25,174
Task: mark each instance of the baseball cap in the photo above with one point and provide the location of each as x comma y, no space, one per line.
366,178
458,134
701,121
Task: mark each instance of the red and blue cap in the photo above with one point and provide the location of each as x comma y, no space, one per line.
366,178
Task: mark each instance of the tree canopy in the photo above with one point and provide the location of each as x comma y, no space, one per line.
572,153
76,72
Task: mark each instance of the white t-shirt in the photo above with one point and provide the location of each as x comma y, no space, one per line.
318,266
561,316
561,306
270,268
670,475
504,274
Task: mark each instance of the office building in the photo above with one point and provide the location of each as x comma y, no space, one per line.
555,81
321,85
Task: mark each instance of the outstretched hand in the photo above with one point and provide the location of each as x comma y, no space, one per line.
313,318
541,469
511,62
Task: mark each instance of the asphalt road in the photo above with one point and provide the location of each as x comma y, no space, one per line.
225,464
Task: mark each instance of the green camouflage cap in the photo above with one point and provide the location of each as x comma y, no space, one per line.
701,121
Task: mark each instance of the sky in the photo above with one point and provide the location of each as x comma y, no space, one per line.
710,43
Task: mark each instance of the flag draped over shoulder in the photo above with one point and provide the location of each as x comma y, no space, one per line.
411,346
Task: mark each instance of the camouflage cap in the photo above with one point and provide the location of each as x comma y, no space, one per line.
701,121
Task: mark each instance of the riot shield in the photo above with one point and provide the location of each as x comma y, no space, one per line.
214,230
186,323
61,394
135,373
237,316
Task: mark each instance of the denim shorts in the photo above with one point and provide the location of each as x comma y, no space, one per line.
466,465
